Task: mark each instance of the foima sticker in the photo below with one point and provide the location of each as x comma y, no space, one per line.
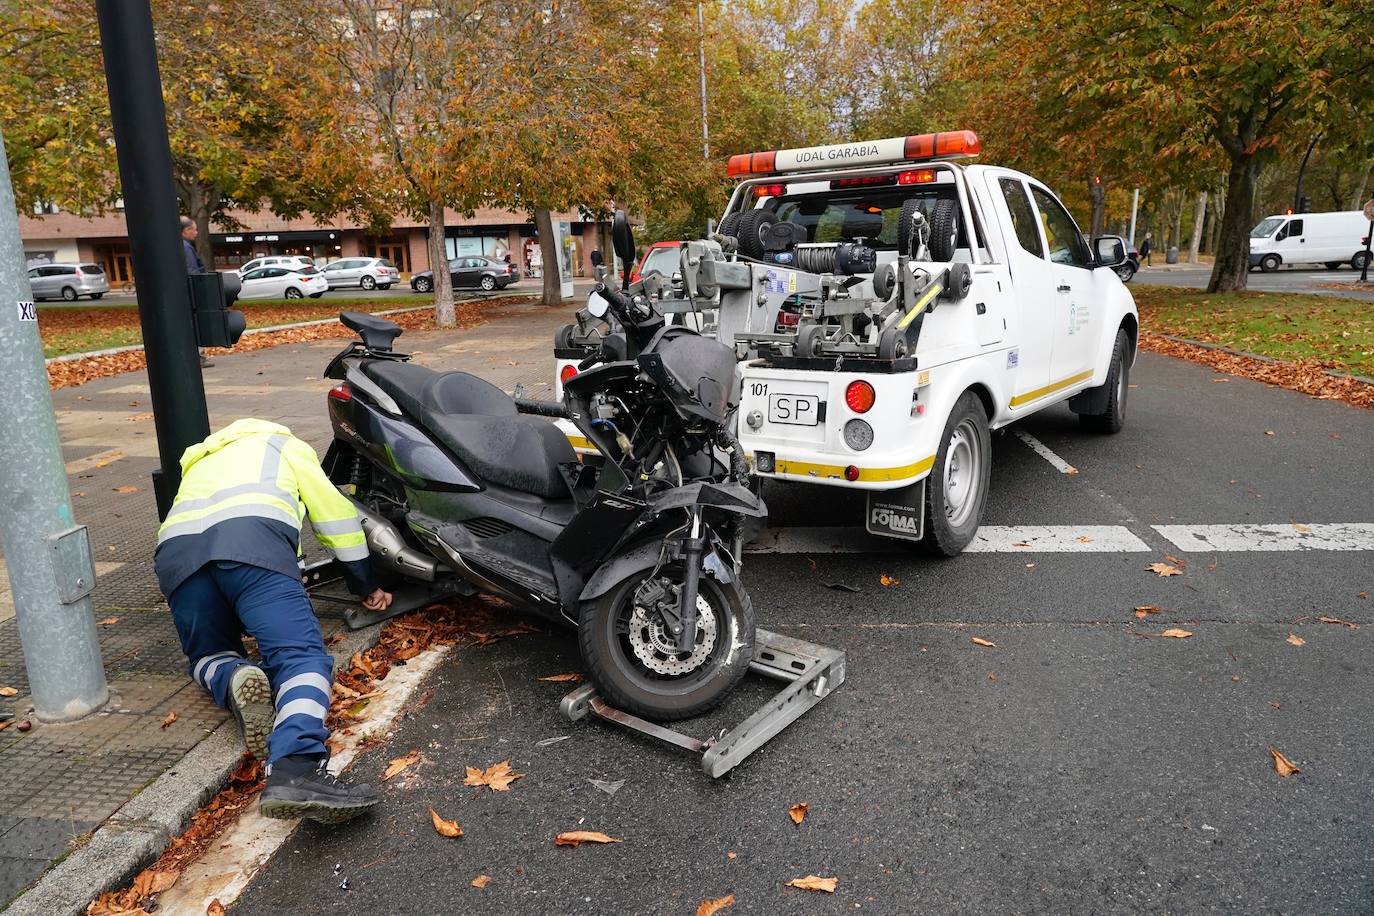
27,312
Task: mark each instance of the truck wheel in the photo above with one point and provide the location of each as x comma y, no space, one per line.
957,489
630,657
752,227
728,226
1270,263
944,230
1113,416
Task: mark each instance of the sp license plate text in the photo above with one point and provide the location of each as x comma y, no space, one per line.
795,409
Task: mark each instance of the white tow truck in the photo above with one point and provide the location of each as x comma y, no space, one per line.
890,306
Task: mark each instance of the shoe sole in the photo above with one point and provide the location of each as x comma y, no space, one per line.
319,811
252,698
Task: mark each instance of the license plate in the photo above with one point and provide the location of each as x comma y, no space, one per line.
794,409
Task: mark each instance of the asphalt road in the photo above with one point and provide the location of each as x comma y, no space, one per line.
1075,768
1284,280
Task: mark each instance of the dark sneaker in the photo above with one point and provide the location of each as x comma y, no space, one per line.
250,700
304,787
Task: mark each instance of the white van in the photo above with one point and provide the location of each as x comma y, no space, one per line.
1329,239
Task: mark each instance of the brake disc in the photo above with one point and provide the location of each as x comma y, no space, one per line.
656,648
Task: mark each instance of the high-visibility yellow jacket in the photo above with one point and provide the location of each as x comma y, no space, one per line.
244,494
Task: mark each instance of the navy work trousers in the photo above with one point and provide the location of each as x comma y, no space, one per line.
222,601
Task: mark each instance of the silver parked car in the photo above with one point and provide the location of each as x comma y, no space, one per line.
68,281
367,273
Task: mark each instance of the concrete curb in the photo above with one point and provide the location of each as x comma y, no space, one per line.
1259,357
144,827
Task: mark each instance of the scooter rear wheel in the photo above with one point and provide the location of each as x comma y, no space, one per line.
624,650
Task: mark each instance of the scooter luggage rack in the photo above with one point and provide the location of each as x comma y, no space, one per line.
812,673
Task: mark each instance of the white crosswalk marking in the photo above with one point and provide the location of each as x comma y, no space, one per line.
990,539
1044,451
1295,536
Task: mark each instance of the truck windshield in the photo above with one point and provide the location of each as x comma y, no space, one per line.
1266,227
870,214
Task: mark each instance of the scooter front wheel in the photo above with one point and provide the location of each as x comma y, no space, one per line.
632,659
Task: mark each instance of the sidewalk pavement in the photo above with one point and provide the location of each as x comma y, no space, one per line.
63,781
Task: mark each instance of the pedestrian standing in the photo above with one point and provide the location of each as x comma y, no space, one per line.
1146,247
227,560
194,265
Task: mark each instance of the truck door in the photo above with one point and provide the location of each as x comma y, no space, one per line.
1077,296
1292,243
1032,287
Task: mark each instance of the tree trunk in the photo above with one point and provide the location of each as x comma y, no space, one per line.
1199,215
1177,240
1097,194
1232,268
1359,199
200,204
444,315
548,251
1218,209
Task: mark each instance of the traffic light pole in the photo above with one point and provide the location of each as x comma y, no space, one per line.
145,172
48,555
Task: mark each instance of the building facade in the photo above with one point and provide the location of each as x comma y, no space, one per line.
58,237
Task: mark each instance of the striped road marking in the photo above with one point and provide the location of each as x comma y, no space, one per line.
1295,536
990,539
1043,451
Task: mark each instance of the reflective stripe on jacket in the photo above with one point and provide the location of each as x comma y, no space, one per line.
254,471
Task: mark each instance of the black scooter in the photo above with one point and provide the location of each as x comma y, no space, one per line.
464,487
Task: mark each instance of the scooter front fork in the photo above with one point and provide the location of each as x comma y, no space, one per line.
693,550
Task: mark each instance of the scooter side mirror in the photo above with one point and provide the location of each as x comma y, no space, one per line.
597,306
597,259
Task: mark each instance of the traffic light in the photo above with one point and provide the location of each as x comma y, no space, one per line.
1304,205
217,325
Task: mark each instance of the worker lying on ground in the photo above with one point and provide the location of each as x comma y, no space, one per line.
227,562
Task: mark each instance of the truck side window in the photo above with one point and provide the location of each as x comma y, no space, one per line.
1022,216
1293,229
1065,241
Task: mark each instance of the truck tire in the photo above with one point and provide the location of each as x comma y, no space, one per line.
944,230
957,488
1270,263
752,227
1113,416
728,226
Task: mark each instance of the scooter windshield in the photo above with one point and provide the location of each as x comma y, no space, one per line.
697,373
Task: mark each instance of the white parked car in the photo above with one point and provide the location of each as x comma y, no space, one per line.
290,261
283,283
1329,239
365,273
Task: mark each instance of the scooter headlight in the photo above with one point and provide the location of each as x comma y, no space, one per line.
858,435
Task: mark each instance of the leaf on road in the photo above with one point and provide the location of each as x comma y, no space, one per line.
798,812
8,692
107,622
215,908
1164,569
1146,609
400,763
811,563
572,677
151,881
443,827
480,881
171,717
126,489
1020,544
1282,765
815,883
1305,529
578,837
1176,561
1269,432
710,907
1295,640
497,777
1171,633
1084,539
1344,623
888,581
1071,471
985,643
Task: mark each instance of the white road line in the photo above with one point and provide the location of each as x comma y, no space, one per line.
990,539
1043,451
1297,536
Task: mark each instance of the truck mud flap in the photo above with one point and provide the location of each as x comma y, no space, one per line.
897,513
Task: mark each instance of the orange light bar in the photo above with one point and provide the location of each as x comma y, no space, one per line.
892,150
751,164
948,143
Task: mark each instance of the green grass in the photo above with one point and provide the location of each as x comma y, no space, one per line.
1336,332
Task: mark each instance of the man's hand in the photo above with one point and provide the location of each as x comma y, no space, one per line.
377,601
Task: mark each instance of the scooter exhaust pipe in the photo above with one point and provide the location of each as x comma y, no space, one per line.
387,546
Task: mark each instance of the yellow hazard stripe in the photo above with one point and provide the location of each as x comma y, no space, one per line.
582,442
807,469
921,303
1051,388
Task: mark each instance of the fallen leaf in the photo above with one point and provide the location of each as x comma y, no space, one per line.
1171,633
1276,704
815,883
1221,380
888,581
1030,566
1146,609
1164,569
732,855
8,692
400,763
1305,529
480,881
710,907
171,717
215,908
153,881
1295,640
992,676
812,563
798,812
1084,539
498,776
126,489
6,724
1363,596
578,837
107,622
1020,544
1269,432
1176,561
443,827
572,677
1282,765
980,641
1071,472
1344,623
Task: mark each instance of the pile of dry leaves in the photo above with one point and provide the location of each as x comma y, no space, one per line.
1307,376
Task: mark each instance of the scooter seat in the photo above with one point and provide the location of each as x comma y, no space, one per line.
418,390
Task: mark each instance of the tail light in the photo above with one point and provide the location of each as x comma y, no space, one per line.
916,176
863,182
566,373
860,396
340,393
770,190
